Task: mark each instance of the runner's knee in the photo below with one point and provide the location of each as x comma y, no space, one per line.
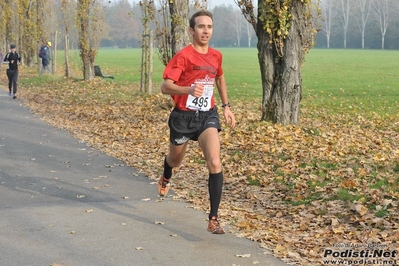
214,165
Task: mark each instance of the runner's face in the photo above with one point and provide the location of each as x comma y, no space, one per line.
202,32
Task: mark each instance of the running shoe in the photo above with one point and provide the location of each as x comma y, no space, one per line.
163,186
14,96
214,226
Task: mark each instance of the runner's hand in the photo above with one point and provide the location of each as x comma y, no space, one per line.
229,117
196,90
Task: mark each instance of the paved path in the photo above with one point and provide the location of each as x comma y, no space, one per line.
64,203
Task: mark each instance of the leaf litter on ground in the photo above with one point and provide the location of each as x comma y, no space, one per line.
296,189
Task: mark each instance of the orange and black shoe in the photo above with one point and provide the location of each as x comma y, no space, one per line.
214,226
163,186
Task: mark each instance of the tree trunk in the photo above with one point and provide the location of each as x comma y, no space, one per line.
88,69
88,66
150,60
87,52
145,48
27,32
383,42
54,53
328,41
280,72
39,23
363,39
65,17
67,70
179,25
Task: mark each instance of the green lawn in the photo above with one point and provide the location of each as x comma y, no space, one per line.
352,80
341,80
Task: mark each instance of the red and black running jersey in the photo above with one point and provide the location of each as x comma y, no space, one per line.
189,66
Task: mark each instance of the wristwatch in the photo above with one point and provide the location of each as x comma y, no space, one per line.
225,104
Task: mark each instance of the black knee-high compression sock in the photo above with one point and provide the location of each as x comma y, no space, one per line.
215,185
167,170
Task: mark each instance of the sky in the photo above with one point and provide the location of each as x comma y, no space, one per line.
221,2
213,3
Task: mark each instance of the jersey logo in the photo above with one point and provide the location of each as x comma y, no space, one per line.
210,69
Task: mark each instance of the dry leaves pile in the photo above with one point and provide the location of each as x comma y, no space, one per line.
296,189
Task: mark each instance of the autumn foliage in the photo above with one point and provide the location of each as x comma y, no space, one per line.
295,189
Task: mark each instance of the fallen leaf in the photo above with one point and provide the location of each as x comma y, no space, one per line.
362,210
243,255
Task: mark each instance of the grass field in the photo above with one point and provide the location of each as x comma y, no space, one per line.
364,81
343,81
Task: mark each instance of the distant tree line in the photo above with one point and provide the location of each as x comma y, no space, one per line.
366,24
125,26
355,24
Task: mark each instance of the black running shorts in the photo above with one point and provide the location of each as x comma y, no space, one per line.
188,125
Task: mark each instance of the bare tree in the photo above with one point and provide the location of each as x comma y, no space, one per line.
249,33
147,9
67,8
285,33
329,13
344,17
362,14
238,26
121,20
395,5
381,9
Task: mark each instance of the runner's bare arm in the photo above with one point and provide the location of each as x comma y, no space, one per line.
222,88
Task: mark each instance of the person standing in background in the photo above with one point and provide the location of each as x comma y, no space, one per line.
45,54
13,59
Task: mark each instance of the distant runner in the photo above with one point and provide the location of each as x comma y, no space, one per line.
13,59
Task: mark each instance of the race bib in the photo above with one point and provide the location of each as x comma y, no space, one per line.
202,103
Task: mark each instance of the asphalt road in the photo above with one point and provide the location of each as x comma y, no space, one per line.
64,203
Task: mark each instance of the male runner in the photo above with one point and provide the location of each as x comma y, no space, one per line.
189,78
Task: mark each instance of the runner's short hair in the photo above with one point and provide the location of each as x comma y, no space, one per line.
199,14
